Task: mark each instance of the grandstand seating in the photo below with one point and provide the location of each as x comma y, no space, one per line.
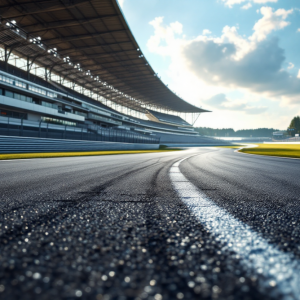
169,128
161,126
42,87
82,97
171,119
50,85
17,127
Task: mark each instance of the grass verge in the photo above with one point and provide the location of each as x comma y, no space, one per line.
281,150
70,154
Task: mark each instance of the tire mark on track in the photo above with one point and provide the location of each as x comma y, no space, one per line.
19,230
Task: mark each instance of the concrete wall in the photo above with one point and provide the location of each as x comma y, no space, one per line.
38,145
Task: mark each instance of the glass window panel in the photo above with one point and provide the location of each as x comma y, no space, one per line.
9,94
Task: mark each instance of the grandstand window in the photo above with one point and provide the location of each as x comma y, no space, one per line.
116,116
24,86
18,96
51,94
12,81
58,121
20,84
79,113
6,79
47,104
9,94
36,90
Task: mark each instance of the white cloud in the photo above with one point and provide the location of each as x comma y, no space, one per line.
298,30
247,6
231,3
291,66
220,101
206,66
206,32
166,34
264,1
270,21
121,2
258,71
298,76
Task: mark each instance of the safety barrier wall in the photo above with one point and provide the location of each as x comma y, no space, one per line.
10,144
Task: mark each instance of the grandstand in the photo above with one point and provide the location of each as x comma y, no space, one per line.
167,119
72,70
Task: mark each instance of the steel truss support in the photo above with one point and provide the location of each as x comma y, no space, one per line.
46,8
63,24
71,50
57,41
195,117
105,54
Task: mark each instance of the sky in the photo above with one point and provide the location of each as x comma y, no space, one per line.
237,58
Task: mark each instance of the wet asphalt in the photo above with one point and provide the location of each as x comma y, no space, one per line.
113,227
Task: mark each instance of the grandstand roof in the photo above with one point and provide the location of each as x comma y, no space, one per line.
93,34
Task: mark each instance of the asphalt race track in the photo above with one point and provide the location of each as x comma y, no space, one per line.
123,227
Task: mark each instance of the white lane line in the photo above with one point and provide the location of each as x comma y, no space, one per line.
280,271
2,160
18,159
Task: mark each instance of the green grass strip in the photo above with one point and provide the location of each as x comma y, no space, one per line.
71,154
281,150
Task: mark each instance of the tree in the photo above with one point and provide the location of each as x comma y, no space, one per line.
229,132
294,126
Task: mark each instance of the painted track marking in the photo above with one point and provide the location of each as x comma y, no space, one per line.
280,271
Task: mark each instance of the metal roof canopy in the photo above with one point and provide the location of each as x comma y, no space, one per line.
94,34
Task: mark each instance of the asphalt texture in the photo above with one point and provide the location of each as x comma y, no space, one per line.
113,227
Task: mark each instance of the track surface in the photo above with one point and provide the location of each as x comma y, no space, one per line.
113,227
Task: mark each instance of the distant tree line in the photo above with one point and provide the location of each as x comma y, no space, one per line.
229,132
294,127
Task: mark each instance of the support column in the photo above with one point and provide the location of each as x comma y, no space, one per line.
28,67
196,115
6,57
